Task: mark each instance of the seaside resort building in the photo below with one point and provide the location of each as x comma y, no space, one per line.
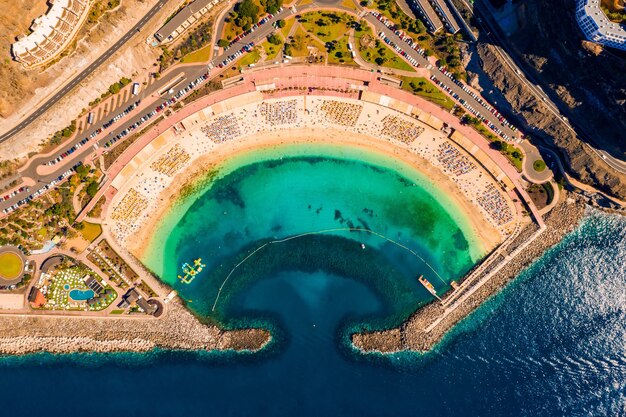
436,14
597,27
183,20
51,33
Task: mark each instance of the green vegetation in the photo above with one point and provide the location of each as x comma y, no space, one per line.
271,6
116,87
391,10
195,40
326,26
8,167
274,39
424,88
271,50
377,53
511,152
69,277
250,58
117,312
99,8
113,89
90,231
547,186
338,52
539,165
298,43
61,135
96,211
206,88
11,265
201,55
612,10
287,28
143,286
246,14
445,47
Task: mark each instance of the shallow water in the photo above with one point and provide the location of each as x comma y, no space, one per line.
550,344
308,208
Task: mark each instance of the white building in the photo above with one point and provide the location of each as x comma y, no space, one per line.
51,33
597,27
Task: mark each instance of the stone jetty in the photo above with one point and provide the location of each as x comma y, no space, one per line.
176,329
427,326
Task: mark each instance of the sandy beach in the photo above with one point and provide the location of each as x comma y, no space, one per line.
151,183
488,236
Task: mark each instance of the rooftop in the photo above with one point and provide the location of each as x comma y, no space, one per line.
597,26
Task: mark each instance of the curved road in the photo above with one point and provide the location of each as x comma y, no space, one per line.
84,73
491,31
43,174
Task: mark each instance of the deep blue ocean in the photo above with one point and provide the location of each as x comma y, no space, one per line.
552,343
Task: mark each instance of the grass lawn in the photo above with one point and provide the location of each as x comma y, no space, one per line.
512,153
91,231
539,165
390,58
231,30
11,265
271,50
320,25
201,55
424,88
250,58
300,41
117,312
348,3
485,132
288,25
341,47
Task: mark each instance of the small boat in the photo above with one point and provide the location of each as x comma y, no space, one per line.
362,245
429,287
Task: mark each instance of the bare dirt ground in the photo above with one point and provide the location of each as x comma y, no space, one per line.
21,90
16,17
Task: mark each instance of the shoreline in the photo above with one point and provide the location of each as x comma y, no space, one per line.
424,329
178,329
484,235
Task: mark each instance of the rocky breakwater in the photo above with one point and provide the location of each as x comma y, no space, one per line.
429,324
177,328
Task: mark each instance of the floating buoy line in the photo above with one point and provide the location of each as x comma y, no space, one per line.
319,232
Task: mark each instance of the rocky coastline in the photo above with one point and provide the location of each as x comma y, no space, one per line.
427,326
177,329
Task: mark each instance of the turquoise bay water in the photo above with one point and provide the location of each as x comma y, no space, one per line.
335,192
550,344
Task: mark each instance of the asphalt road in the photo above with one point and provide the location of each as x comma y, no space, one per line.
380,27
191,72
84,73
492,32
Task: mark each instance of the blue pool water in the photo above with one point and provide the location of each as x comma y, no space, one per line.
66,287
81,295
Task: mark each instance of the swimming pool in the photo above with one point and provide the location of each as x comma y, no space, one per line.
81,295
